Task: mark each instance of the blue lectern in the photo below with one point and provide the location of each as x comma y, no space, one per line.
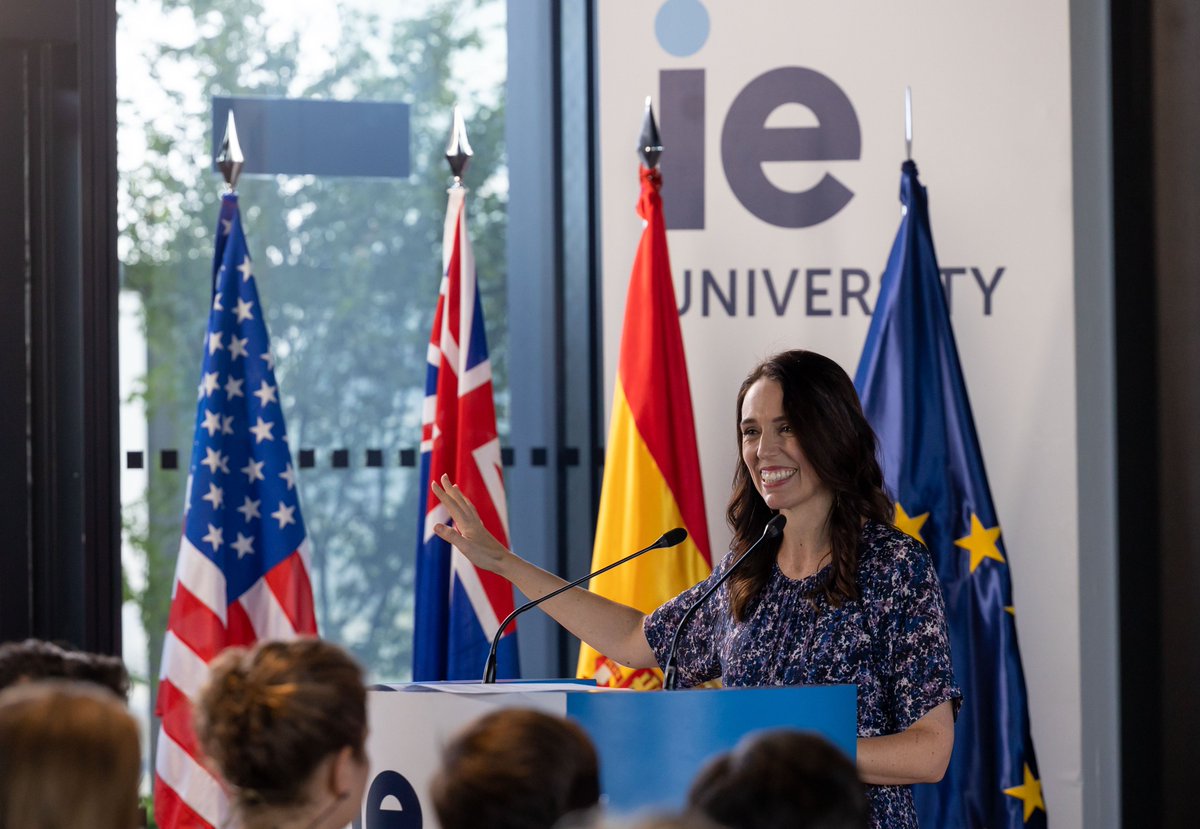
651,743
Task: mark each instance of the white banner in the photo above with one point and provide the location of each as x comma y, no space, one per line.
778,238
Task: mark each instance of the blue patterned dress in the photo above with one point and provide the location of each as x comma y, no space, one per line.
891,642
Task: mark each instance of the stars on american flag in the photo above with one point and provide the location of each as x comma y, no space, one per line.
243,310
244,545
265,394
215,496
254,471
262,430
215,460
212,422
249,509
209,384
242,507
237,347
214,537
284,515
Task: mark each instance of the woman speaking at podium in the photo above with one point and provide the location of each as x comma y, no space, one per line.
839,596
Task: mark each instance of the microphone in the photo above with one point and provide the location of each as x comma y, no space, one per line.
773,530
668,539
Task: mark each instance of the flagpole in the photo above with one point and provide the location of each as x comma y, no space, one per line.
650,146
908,123
230,159
458,151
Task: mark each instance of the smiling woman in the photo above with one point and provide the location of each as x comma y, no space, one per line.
807,451
841,597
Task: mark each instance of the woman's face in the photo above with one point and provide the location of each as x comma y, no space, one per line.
773,457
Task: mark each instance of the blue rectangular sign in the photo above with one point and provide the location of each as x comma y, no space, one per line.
282,136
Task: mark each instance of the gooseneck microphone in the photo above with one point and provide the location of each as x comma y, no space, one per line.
773,530
668,539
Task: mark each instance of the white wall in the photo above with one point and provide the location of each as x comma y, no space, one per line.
993,141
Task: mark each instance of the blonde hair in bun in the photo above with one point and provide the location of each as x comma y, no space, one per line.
268,716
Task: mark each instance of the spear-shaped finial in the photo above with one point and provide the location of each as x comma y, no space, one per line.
230,159
908,122
458,151
649,145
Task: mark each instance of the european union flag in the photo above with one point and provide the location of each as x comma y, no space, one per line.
912,391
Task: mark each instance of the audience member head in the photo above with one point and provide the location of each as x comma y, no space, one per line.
108,671
285,725
782,780
69,757
687,820
516,769
35,659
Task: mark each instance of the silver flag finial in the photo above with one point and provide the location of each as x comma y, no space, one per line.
908,122
649,145
230,159
458,151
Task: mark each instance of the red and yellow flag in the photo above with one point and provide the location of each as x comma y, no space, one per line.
652,469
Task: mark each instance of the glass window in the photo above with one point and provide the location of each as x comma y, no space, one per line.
348,272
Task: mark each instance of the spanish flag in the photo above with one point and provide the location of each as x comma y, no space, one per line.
652,469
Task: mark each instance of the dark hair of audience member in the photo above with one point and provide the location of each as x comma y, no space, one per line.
516,769
35,659
270,716
782,780
69,757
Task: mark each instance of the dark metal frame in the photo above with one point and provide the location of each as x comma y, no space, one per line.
1137,389
59,498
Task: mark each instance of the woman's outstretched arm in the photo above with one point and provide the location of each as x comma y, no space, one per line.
613,629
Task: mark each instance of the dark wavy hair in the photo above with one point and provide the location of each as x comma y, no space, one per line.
823,410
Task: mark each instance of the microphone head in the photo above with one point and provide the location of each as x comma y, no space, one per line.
774,527
672,537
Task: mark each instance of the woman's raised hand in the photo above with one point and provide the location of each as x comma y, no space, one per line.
468,534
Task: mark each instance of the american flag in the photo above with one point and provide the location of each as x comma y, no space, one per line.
242,573
459,607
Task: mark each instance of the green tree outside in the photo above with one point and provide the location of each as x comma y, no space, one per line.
348,272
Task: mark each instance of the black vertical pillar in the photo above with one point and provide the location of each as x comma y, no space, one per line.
1135,287
59,511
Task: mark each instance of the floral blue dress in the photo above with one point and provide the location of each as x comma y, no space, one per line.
891,642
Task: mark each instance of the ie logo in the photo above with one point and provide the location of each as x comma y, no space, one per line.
747,141
391,804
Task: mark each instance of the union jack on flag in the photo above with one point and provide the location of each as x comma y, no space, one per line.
242,573
459,607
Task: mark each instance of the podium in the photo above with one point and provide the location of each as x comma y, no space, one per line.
650,743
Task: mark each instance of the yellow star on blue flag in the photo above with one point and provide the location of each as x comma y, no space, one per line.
981,543
910,524
1029,793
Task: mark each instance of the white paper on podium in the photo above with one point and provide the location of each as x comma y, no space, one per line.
496,687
